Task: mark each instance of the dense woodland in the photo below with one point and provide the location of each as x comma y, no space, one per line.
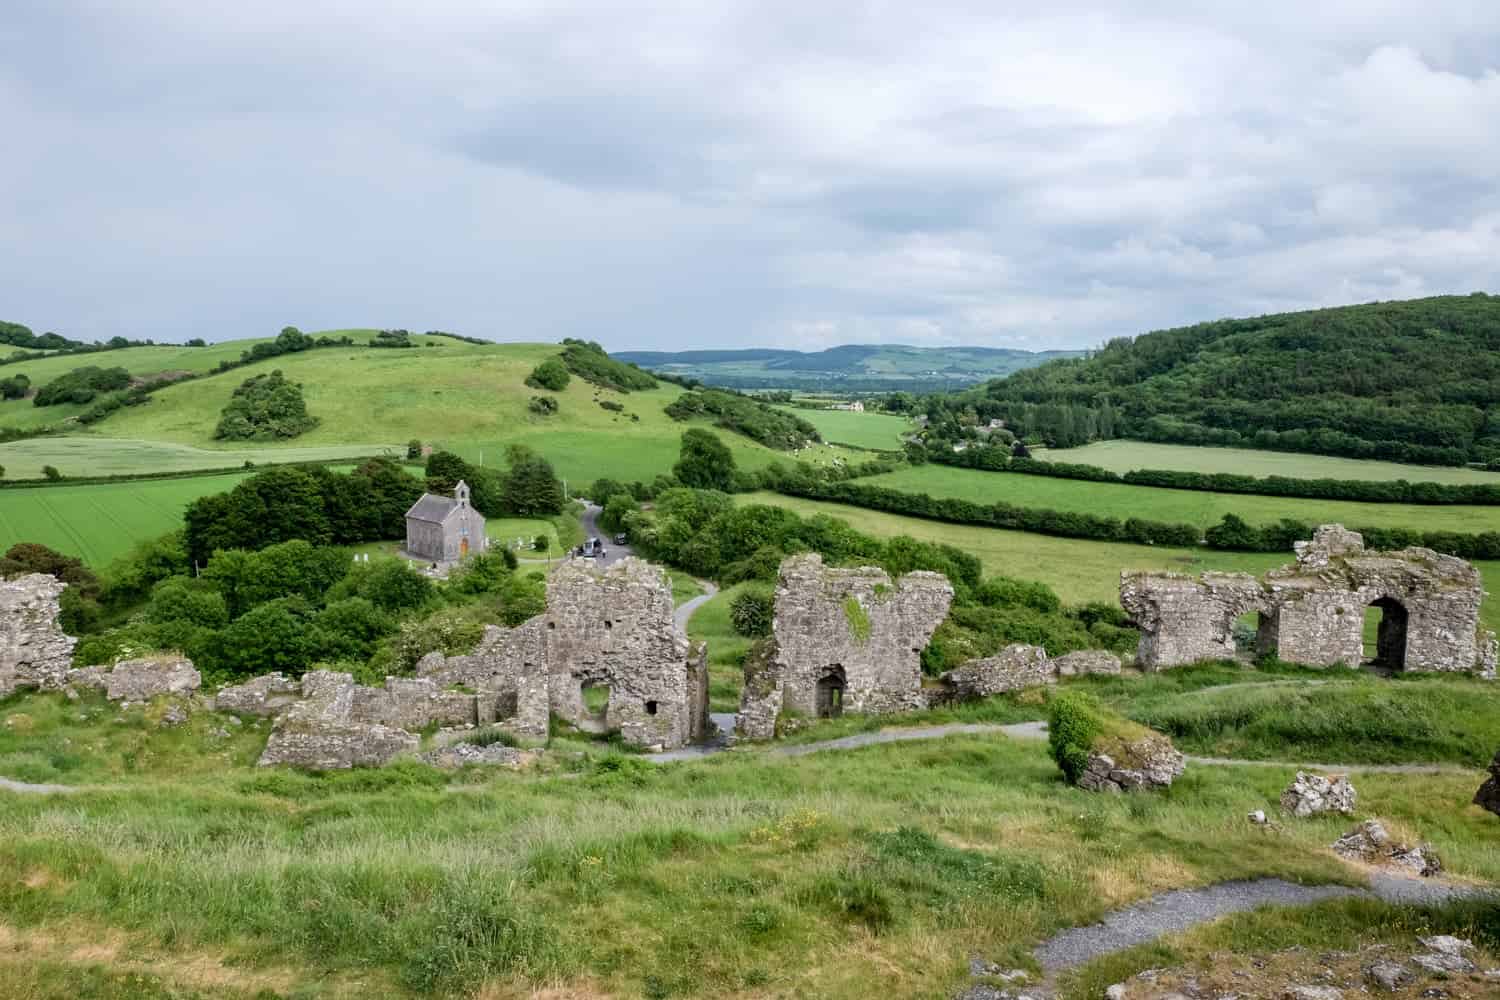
1414,381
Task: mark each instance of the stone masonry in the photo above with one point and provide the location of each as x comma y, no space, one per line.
1312,612
327,730
609,629
34,650
843,640
1019,666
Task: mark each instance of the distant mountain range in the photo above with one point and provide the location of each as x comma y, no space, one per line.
852,367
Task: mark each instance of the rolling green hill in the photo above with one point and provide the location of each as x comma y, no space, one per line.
852,367
1415,381
469,398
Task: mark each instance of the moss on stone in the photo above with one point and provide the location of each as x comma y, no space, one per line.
859,620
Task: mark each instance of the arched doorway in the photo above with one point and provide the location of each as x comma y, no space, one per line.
830,693
1385,634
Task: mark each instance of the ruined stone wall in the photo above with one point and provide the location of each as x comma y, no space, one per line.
610,628
1017,667
322,731
852,627
34,650
1312,612
1185,620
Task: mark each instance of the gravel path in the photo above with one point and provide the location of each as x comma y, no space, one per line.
686,608
1180,909
26,788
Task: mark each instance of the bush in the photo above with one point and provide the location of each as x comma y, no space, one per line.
611,406
771,427
414,449
589,362
616,509
752,611
551,374
1074,721
81,385
50,472
542,405
705,462
265,408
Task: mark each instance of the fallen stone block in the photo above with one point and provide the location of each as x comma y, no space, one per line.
1370,843
1086,661
266,696
144,679
1147,763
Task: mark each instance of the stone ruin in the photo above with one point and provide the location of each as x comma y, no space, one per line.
842,640
34,650
1312,612
611,629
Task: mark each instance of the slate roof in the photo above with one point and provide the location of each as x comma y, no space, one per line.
432,508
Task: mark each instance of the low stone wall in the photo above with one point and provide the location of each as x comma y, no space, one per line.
1019,666
321,732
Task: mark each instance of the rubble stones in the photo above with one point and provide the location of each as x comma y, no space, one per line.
1312,612
318,732
265,696
844,640
1369,842
1443,963
1313,794
1389,976
1488,796
494,755
1313,993
1447,944
1156,763
1015,667
1087,661
144,679
34,650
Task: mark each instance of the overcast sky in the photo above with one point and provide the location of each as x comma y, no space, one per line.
796,174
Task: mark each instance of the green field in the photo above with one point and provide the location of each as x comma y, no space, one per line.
862,430
1077,569
80,455
98,523
1189,506
1125,456
469,398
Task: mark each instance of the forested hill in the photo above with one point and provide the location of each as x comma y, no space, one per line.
851,367
1406,381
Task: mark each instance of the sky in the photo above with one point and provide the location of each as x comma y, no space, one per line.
724,174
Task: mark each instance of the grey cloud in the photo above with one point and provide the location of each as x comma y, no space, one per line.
767,173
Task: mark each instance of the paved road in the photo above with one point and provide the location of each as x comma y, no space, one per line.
612,553
686,608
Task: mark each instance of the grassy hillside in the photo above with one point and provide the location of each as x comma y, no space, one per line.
466,397
1188,506
79,455
1127,456
1404,381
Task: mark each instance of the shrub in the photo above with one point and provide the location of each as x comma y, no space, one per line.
705,462
551,374
752,611
616,509
81,385
589,362
858,619
414,449
1074,722
265,408
611,405
771,427
50,472
543,405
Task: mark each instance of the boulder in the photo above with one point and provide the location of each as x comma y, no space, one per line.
144,679
1313,794
1149,762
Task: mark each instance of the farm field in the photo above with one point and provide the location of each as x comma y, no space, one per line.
863,430
1079,570
1122,501
465,397
98,523
1125,456
82,455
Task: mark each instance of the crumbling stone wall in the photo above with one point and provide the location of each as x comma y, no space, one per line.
609,627
1312,612
853,631
34,650
1185,620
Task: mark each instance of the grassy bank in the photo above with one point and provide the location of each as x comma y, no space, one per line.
734,876
863,430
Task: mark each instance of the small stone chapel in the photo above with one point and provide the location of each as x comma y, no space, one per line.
443,529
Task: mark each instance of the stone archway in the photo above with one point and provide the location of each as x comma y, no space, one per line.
829,698
1390,635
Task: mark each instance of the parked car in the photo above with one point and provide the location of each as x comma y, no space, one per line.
620,539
